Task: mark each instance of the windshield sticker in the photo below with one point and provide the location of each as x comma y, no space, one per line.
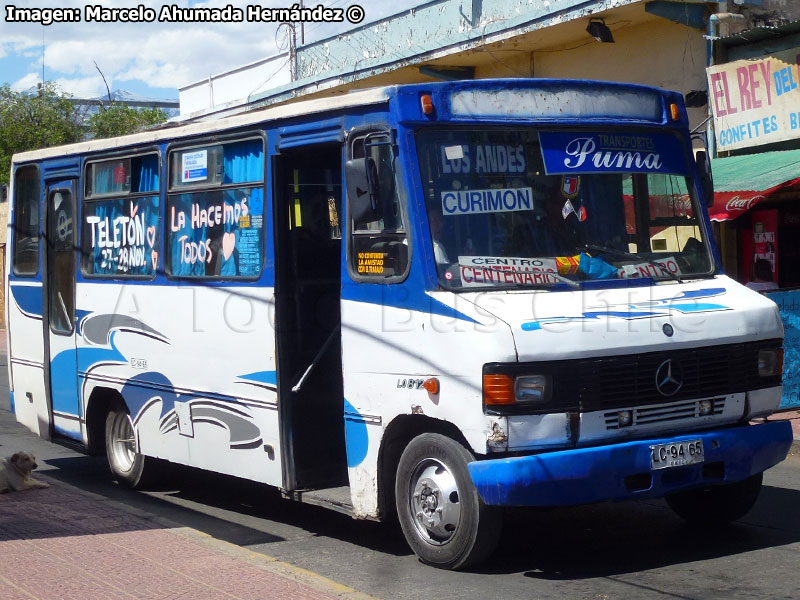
573,152
651,269
454,152
570,186
483,158
503,270
371,263
194,166
469,202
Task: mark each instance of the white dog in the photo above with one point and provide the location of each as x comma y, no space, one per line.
15,473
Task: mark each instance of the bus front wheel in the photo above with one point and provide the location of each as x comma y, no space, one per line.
127,465
719,504
441,513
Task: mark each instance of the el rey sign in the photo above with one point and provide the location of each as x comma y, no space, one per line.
756,101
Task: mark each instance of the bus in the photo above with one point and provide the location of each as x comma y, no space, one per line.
432,301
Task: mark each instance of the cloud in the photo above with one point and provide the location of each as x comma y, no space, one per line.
25,83
80,87
158,54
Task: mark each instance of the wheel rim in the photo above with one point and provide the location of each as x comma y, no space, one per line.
123,442
434,502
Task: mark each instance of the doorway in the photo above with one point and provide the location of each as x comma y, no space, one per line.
308,255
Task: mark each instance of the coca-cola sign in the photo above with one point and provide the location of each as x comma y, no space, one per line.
729,205
742,204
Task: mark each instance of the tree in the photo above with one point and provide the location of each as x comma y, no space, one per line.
119,119
32,121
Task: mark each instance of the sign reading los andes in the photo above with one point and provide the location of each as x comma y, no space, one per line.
606,152
480,159
757,101
478,271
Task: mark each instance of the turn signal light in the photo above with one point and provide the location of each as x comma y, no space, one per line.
674,112
427,104
498,390
431,385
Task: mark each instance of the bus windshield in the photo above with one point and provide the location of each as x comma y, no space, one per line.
498,219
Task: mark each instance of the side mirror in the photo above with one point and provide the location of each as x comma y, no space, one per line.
706,178
363,190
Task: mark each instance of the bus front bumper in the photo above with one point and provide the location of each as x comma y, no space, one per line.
623,471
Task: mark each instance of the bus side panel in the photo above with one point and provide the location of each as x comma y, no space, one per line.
388,352
195,366
30,399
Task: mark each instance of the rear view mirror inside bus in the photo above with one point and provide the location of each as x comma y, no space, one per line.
363,189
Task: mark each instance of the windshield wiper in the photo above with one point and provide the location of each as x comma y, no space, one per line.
623,253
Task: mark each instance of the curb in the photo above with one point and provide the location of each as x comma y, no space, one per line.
266,562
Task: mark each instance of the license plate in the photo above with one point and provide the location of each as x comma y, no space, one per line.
677,454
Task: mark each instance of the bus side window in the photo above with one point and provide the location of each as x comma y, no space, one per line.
26,221
215,210
379,240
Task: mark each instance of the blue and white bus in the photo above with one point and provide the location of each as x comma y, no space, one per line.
434,300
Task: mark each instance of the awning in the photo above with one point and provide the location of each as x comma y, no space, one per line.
741,182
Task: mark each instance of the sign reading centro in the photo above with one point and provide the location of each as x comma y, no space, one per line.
466,202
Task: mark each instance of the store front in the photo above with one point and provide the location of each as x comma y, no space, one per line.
755,103
757,209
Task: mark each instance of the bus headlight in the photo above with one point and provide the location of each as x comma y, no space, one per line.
532,388
502,391
770,362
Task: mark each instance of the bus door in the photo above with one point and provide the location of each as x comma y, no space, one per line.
24,304
60,309
308,251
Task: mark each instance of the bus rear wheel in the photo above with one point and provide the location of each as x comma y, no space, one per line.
128,466
443,517
719,504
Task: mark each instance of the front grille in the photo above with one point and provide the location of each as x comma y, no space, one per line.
663,413
619,381
611,382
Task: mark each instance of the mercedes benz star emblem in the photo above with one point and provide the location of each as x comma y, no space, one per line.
669,378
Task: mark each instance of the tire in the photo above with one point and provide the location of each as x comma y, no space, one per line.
130,468
441,513
717,505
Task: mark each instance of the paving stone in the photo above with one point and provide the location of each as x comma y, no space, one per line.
59,543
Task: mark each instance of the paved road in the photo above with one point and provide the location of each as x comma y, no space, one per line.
631,550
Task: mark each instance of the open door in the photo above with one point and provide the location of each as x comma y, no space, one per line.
61,263
25,305
308,249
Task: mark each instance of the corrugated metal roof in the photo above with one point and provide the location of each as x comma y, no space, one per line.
755,172
759,34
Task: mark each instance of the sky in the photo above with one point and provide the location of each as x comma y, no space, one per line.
151,59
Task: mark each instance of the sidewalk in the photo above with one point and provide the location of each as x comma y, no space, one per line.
63,543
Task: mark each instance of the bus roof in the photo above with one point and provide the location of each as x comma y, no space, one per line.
482,99
357,98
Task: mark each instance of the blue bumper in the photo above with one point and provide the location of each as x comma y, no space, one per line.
622,471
